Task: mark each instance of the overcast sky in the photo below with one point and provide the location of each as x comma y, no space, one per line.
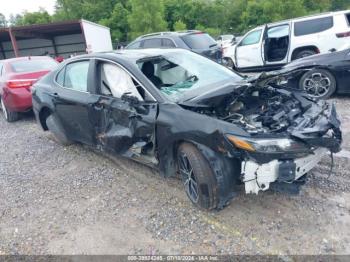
8,7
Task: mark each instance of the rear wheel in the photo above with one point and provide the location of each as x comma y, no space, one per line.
198,178
57,131
304,53
318,83
10,116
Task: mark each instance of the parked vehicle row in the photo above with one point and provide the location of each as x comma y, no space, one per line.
269,47
194,40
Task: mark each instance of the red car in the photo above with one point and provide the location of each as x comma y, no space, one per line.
17,75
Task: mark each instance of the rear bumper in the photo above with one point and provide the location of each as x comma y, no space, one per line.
258,177
17,99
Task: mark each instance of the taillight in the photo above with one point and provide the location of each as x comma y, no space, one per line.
18,83
345,34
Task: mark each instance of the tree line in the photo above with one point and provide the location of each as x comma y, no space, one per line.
131,18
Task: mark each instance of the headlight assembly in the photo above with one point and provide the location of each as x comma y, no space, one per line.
266,145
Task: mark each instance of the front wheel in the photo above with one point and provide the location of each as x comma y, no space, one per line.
318,83
8,114
197,176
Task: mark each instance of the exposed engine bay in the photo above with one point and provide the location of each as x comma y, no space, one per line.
270,110
273,112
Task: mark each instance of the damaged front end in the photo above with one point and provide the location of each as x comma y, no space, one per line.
287,132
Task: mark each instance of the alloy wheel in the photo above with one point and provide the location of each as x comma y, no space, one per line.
188,178
317,85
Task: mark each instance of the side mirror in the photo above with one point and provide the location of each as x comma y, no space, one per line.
132,100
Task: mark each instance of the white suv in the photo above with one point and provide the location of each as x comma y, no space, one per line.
271,46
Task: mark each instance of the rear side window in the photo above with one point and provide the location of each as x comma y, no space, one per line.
199,41
152,43
168,43
76,75
313,26
348,18
32,65
135,45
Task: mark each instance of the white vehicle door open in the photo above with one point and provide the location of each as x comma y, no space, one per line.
249,50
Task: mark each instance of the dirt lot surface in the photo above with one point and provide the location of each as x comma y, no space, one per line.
72,200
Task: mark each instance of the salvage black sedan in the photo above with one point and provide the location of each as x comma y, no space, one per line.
322,75
185,114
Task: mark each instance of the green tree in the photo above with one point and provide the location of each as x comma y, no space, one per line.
312,6
146,17
3,21
260,12
91,10
336,5
31,18
118,22
214,32
179,26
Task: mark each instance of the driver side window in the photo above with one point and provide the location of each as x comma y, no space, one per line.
252,38
115,81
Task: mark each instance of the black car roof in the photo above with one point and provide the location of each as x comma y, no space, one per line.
169,33
133,55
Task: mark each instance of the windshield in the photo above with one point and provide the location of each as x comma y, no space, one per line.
32,65
178,73
199,41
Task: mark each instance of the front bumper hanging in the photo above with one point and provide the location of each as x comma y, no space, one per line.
258,177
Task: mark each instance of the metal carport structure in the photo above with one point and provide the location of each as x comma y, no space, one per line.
55,39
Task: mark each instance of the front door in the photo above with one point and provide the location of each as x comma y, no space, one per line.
249,50
276,44
124,116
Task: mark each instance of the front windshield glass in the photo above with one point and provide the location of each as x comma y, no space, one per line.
177,73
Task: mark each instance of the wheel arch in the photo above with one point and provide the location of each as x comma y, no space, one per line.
44,113
302,48
224,169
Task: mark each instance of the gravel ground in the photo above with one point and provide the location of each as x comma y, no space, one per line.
72,200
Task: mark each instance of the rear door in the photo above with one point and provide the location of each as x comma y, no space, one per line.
125,114
72,100
249,51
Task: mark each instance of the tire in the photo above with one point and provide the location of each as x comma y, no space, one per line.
200,183
318,83
10,116
57,131
304,53
228,62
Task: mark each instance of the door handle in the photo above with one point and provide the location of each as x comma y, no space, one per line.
55,95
